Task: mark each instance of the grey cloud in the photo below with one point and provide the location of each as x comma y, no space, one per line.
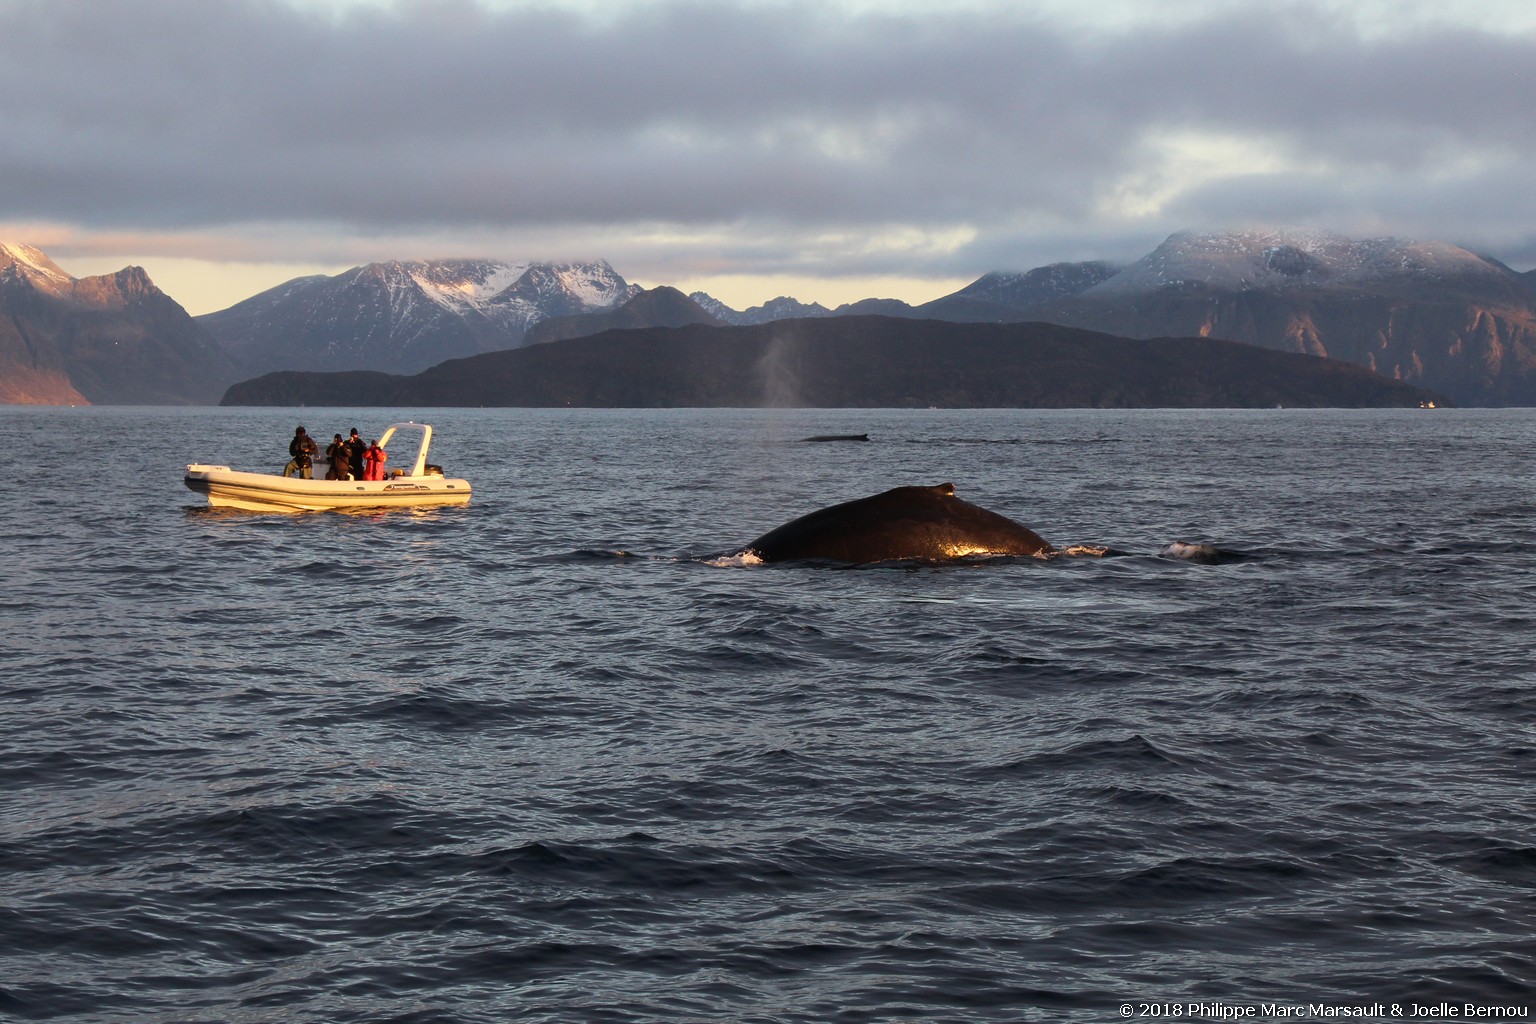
182,113
1453,207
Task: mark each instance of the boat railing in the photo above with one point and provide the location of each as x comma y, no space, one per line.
419,464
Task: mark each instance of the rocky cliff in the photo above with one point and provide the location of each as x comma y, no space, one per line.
1429,314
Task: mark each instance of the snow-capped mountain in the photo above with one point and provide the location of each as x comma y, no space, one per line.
113,339
401,317
1285,260
1428,313
781,308
25,264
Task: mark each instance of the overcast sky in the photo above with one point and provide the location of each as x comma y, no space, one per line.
826,150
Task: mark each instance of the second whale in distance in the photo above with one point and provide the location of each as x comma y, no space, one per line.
903,524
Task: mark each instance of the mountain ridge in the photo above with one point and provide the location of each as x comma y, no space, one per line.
663,306
1429,313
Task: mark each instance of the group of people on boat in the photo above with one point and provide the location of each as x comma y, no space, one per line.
350,459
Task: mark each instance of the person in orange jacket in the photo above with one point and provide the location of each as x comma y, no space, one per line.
373,461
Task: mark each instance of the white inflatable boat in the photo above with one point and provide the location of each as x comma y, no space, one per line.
417,484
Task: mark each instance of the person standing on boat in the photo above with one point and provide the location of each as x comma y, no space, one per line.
355,449
302,450
341,459
374,457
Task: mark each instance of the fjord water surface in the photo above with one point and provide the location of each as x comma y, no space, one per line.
538,759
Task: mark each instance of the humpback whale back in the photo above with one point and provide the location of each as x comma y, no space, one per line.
925,524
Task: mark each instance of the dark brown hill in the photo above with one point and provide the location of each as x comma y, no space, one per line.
861,362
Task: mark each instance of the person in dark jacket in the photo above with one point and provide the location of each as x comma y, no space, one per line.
302,450
340,458
355,448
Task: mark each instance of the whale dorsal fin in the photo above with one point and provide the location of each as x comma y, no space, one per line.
946,489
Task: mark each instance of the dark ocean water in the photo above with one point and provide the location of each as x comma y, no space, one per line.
536,759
